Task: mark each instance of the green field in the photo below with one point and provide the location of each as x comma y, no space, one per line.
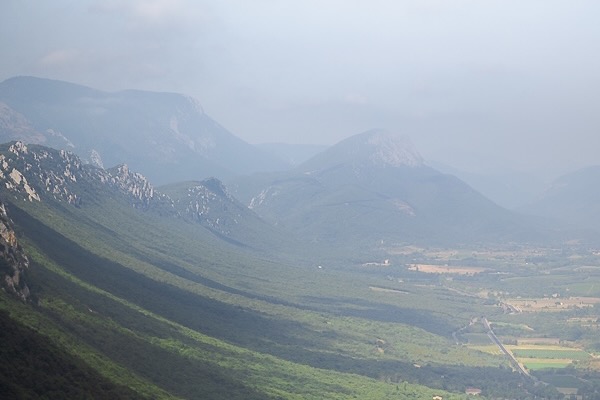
543,357
536,363
571,354
490,349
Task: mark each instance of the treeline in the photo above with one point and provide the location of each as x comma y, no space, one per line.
587,382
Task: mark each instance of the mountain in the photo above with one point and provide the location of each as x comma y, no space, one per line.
376,148
509,189
142,295
375,188
166,136
573,198
209,203
37,173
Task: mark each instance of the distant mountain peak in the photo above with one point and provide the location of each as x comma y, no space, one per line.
377,147
387,148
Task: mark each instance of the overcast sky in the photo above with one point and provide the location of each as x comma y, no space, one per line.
479,85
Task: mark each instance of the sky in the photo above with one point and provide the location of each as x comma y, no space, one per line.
479,85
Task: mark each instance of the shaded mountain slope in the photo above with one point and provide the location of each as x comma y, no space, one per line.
31,368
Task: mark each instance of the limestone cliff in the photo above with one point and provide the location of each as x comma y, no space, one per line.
13,261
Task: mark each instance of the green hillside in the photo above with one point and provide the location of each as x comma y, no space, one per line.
163,307
129,304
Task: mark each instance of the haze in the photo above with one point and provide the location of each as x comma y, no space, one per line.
480,86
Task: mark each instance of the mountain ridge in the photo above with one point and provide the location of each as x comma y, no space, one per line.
37,173
166,136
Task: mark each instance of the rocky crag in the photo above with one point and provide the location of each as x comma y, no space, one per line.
13,261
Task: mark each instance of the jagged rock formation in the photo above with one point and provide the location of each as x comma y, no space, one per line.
209,203
140,191
13,261
36,173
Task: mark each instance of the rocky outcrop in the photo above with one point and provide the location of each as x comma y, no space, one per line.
133,184
13,261
207,202
35,173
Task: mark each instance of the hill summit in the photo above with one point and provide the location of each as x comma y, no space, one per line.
377,147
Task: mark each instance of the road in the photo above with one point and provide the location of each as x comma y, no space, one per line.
504,350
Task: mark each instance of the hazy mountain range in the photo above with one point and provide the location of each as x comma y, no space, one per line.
573,199
374,188
166,136
126,274
376,183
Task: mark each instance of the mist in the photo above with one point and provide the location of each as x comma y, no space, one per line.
480,86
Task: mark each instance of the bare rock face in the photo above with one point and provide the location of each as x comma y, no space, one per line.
208,203
35,173
377,148
133,184
13,261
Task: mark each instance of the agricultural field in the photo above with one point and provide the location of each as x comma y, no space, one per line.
552,303
444,269
539,357
538,340
487,348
